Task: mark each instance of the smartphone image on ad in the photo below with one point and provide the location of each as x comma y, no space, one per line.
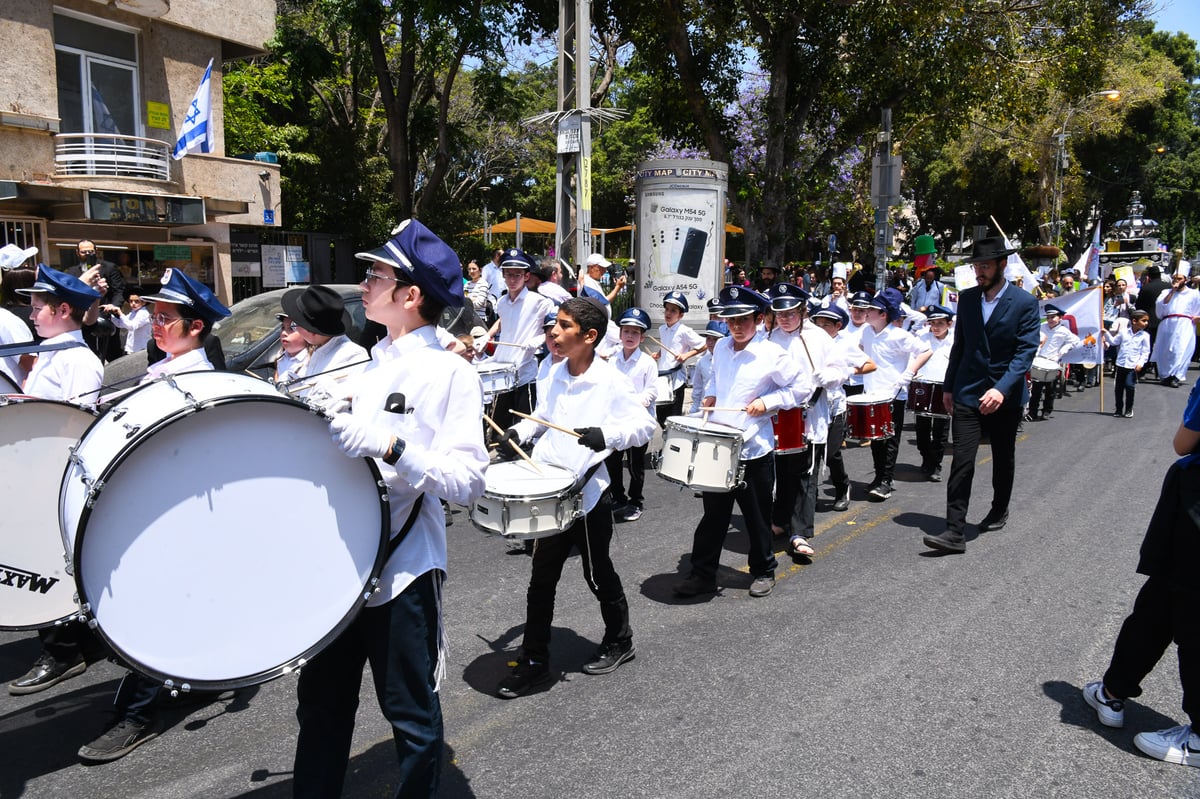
691,254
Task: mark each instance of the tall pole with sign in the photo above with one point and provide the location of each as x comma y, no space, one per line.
885,192
573,173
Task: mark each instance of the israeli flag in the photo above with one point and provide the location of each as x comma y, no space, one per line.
194,135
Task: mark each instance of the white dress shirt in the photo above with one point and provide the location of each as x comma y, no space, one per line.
642,372
810,347
679,339
600,397
934,370
138,324
760,370
191,361
444,454
521,324
13,331
71,375
891,349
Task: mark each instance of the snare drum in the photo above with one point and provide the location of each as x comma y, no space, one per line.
220,537
518,502
789,431
497,377
869,417
36,437
666,394
1044,370
927,398
703,456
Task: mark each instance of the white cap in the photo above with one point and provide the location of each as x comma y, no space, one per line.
596,259
841,269
12,256
1184,268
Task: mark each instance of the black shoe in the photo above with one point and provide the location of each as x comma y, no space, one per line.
1036,417
947,541
119,740
609,657
993,521
762,585
936,475
1129,413
694,586
842,502
881,492
1118,413
46,672
524,676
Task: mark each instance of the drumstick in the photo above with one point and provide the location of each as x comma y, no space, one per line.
544,423
508,344
665,348
727,410
513,444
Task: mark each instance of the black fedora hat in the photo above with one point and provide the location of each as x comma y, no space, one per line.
317,309
989,249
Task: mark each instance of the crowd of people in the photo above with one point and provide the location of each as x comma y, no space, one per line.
794,368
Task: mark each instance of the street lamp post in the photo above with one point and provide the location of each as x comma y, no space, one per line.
487,225
1060,162
962,227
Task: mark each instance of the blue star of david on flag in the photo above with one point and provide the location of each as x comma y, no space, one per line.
195,136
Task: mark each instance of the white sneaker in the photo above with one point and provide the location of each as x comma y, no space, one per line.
1111,712
1176,745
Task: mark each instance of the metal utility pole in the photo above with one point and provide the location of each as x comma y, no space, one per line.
573,175
885,192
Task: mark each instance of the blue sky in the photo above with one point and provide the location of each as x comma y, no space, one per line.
1178,15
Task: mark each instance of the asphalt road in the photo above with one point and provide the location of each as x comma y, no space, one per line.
875,670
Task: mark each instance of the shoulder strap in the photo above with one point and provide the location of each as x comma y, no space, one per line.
398,539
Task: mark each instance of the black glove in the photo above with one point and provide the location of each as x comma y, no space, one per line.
592,438
506,444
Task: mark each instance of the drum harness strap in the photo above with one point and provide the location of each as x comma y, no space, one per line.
812,367
579,484
27,347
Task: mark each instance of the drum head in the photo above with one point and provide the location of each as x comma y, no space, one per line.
36,437
518,479
868,399
700,423
231,544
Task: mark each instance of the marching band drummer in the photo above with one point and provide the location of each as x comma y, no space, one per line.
320,313
589,392
676,339
1056,341
758,377
520,313
712,333
183,314
642,373
58,303
899,355
934,431
798,474
432,450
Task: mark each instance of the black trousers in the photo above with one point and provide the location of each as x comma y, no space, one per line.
833,453
932,434
884,451
615,463
754,500
1161,614
592,536
969,426
797,476
1042,394
71,643
522,398
400,641
1125,385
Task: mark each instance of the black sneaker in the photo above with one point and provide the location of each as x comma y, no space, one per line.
46,672
629,513
525,676
936,475
609,657
881,491
119,740
694,586
842,502
1129,414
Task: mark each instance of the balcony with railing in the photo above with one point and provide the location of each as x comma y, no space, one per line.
105,155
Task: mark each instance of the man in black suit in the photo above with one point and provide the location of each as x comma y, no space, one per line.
996,336
101,335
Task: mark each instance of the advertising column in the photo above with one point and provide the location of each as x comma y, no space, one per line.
680,233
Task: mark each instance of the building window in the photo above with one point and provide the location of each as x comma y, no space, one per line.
97,77
24,232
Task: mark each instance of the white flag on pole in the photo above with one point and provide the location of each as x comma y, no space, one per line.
196,135
1016,268
1085,308
1088,264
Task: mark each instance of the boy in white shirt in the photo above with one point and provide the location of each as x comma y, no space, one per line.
520,313
679,343
712,333
642,372
1133,352
934,431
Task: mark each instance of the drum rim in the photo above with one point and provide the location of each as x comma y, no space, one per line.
266,675
716,429
6,400
6,380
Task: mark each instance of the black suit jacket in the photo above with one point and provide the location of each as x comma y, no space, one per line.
998,354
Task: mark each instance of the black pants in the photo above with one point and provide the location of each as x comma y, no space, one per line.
797,476
637,475
754,500
1125,385
1161,614
522,398
1042,394
968,426
833,453
592,536
400,641
932,434
71,643
884,451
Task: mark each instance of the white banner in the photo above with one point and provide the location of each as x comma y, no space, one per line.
1086,308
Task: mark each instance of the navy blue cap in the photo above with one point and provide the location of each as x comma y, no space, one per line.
739,301
888,301
66,288
426,260
513,258
939,312
1052,310
715,329
676,298
785,296
859,299
714,305
834,312
635,317
180,289
551,319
